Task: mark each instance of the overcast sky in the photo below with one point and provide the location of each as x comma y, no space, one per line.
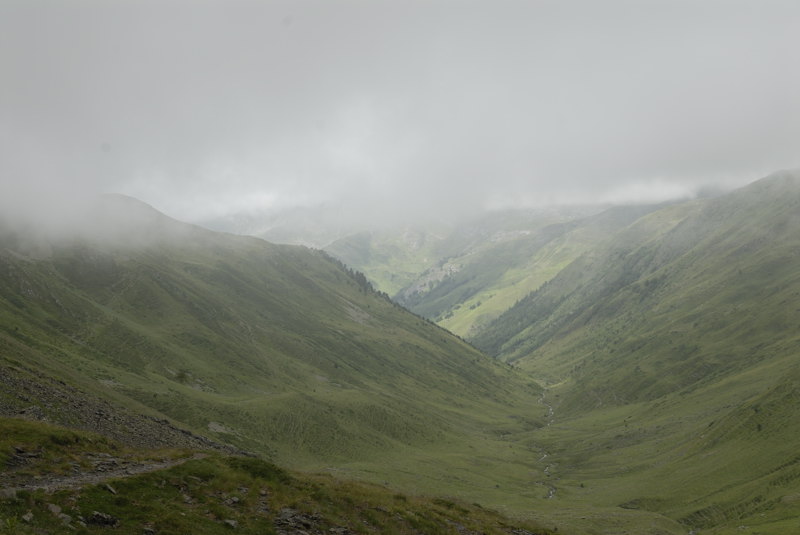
203,108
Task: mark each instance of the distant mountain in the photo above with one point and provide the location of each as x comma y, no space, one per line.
471,288
461,273
315,226
446,272
392,259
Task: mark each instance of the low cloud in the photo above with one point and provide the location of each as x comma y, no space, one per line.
391,109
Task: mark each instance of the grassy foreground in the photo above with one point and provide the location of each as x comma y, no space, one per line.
208,495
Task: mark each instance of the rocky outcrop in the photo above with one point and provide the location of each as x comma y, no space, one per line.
292,522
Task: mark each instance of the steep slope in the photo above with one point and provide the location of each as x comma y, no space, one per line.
700,289
464,274
672,360
391,259
276,349
503,266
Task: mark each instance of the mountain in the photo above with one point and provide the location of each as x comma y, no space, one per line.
391,259
460,273
647,384
473,287
138,325
446,272
315,226
671,355
678,286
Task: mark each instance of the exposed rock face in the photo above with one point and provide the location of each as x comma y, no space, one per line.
102,470
101,519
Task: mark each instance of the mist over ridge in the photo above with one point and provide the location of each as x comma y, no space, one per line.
391,111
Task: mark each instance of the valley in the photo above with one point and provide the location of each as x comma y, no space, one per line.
670,331
610,369
406,268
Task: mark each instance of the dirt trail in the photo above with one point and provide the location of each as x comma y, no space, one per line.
106,468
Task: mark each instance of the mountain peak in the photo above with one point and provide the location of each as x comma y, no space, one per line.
786,178
111,220
126,222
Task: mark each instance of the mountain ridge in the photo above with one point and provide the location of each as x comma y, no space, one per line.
670,356
275,349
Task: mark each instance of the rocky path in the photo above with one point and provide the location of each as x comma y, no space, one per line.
105,467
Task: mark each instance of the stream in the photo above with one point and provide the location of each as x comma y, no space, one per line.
550,415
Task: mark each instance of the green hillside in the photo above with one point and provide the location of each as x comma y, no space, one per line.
465,274
278,350
647,383
671,356
699,288
391,260
490,277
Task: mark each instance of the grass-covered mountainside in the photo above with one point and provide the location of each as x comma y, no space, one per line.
687,294
489,274
672,360
391,260
647,381
463,275
62,481
279,350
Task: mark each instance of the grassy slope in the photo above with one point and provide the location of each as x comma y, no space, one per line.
276,349
672,357
671,360
200,494
504,273
391,260
465,276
